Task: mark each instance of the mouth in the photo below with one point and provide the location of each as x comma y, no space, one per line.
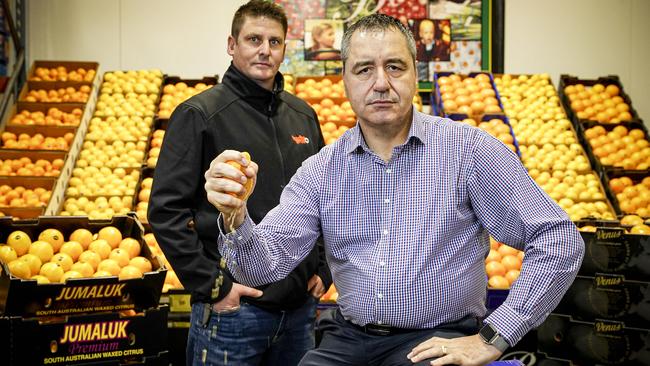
382,103
262,64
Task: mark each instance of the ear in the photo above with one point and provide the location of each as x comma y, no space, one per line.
231,45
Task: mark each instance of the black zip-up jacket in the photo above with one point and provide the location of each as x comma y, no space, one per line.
279,130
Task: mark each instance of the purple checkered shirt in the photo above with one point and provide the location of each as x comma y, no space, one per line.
406,240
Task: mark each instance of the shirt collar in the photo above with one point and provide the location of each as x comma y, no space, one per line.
417,132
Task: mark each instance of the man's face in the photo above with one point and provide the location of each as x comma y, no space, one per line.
426,32
258,51
379,77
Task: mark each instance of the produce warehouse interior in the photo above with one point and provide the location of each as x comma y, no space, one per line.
89,86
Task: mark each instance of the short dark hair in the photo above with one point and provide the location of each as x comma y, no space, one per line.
256,9
376,22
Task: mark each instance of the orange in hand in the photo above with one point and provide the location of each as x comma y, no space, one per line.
249,183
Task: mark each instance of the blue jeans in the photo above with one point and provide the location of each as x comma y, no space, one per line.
250,335
345,344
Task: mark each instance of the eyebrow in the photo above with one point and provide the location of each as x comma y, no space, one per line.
371,62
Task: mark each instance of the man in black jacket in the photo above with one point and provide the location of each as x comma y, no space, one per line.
232,323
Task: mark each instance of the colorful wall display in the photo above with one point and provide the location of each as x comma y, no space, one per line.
448,33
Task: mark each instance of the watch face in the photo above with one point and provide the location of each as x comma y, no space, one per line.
487,333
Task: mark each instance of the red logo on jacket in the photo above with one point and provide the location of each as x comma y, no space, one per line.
300,139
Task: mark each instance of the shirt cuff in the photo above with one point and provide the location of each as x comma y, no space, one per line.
508,323
229,244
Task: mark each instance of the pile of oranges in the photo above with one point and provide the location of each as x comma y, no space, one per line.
175,94
154,150
51,259
502,265
620,147
473,96
143,199
633,198
325,88
25,141
20,196
598,103
61,95
61,73
171,279
25,166
53,117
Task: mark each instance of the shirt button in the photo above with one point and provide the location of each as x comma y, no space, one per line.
385,232
386,200
382,263
379,322
388,171
381,296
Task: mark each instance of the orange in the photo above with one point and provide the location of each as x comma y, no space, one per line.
64,260
73,249
131,246
33,261
493,256
507,250
102,274
7,254
121,256
150,239
512,276
142,263
52,236
42,249
20,241
100,247
86,269
498,282
129,272
109,265
511,262
70,274
90,257
248,186
20,269
53,272
41,280
172,279
495,268
82,236
111,234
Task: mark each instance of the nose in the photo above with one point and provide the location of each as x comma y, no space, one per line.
265,48
381,80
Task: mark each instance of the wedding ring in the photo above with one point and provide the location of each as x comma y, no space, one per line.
444,349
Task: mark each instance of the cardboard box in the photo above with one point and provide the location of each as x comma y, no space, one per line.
26,298
69,65
105,339
590,343
611,250
608,296
29,183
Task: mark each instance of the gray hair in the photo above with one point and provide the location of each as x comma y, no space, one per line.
376,22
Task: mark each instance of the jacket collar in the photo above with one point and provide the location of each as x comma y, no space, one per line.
253,94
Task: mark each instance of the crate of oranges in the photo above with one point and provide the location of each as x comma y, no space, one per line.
55,266
176,91
502,266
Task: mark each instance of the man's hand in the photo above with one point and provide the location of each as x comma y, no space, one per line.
463,351
224,183
315,286
232,300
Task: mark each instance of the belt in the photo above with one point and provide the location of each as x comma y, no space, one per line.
376,329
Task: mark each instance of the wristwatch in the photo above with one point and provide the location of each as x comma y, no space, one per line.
490,335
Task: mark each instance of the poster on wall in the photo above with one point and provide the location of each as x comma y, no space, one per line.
465,17
447,33
323,39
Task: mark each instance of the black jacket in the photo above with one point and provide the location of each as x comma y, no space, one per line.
279,131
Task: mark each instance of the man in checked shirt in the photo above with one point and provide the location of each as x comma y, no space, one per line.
405,203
